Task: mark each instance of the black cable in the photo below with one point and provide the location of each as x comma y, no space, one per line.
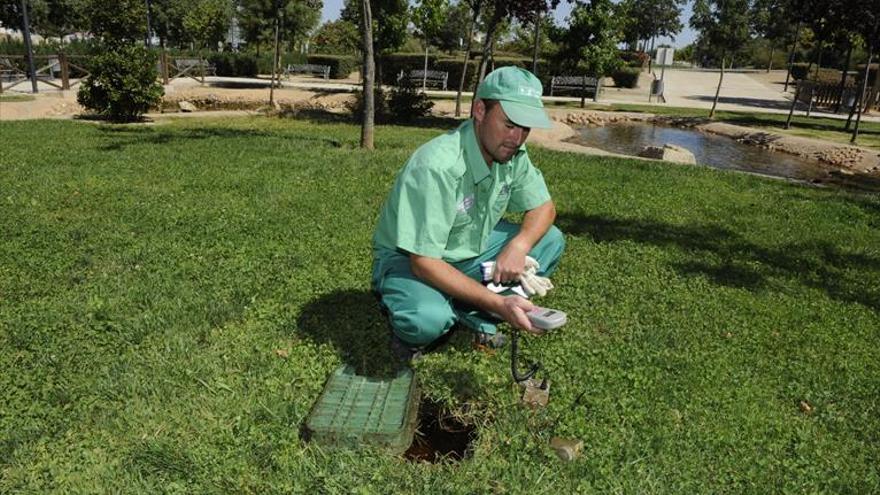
514,362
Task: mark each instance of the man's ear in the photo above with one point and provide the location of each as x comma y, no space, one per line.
479,110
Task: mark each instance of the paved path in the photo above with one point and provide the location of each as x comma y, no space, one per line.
743,92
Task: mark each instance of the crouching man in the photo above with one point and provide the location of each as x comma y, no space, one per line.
443,218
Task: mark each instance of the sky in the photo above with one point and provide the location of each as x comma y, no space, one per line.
332,8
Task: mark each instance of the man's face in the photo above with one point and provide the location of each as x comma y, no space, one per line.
499,138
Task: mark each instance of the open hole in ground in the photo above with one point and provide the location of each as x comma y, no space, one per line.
440,436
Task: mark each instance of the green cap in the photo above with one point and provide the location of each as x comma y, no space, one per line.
519,92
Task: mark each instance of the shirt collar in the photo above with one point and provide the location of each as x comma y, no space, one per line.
472,155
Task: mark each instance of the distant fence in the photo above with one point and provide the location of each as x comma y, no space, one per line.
49,69
831,95
64,71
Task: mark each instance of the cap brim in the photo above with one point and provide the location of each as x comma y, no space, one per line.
525,115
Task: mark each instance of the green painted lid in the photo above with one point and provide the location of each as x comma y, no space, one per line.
355,411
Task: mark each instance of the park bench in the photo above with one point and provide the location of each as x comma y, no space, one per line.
311,69
193,67
583,84
436,78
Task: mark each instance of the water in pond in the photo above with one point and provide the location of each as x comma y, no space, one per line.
714,151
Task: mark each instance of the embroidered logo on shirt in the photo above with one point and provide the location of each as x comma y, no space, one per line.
466,204
505,190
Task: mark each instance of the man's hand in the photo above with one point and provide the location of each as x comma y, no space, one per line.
513,310
511,263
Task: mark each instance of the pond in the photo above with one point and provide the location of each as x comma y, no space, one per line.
715,151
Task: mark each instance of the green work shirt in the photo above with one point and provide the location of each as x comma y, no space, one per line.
446,200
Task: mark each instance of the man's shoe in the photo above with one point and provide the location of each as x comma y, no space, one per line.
404,352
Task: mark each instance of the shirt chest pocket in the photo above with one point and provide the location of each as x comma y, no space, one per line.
464,211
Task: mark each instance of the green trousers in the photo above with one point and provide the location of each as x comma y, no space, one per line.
420,314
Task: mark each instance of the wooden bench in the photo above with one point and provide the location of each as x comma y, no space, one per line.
436,78
196,68
311,69
584,84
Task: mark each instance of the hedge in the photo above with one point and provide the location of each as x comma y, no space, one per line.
394,63
627,77
232,64
341,66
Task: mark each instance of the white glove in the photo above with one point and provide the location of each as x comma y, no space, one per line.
535,284
531,282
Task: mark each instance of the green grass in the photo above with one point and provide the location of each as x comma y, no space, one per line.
811,127
150,274
15,98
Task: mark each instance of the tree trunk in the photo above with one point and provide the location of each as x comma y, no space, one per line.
367,127
861,99
770,62
467,55
842,85
275,61
26,31
718,90
537,43
425,74
797,35
488,45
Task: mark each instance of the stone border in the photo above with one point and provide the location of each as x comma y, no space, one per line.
843,157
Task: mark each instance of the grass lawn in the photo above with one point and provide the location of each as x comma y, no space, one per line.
173,297
15,98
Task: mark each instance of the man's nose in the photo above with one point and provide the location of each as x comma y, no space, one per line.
519,134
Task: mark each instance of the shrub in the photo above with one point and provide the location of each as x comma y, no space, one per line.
341,66
799,71
264,61
232,64
635,58
356,106
406,104
122,85
626,77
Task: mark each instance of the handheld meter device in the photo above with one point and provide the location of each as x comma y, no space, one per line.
546,318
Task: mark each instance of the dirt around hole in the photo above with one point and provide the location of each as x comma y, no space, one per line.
440,437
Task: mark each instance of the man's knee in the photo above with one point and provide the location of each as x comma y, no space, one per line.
423,323
549,249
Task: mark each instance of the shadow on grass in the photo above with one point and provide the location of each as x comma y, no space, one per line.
320,116
350,321
747,102
118,138
743,264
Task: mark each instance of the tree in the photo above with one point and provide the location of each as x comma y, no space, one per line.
50,18
367,127
389,34
258,18
499,11
771,19
589,45
724,28
124,24
429,16
476,7
648,19
206,22
866,19
454,31
337,37
122,82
